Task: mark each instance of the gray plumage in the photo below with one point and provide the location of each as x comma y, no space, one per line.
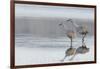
83,31
70,34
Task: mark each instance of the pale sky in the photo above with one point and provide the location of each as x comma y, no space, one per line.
53,11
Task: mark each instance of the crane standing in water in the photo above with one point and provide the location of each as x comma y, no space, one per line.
70,34
82,30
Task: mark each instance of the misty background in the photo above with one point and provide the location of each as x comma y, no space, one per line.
43,21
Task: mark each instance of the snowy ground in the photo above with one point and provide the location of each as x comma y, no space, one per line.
32,50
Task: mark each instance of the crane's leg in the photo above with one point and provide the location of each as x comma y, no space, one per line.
71,43
83,42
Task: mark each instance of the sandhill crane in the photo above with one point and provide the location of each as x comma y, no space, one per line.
80,29
83,31
70,34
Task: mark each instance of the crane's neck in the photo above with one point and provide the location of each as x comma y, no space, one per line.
64,27
74,24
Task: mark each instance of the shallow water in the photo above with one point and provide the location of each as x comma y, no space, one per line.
29,50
